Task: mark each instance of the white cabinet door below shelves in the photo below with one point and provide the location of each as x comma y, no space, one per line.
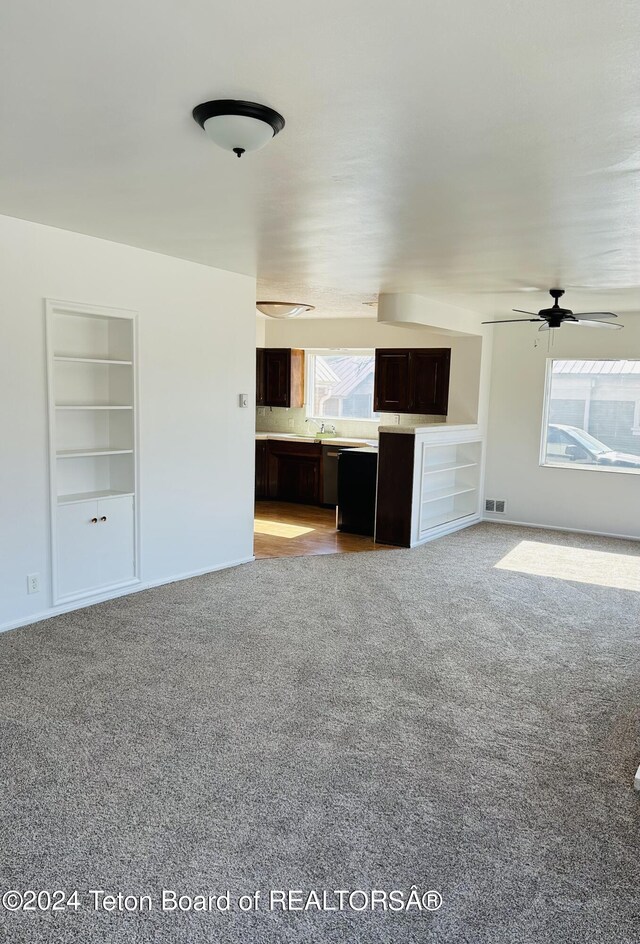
77,547
116,540
95,554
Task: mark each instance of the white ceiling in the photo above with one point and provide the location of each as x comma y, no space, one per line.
457,149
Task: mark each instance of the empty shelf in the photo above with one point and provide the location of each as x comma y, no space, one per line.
448,467
93,406
80,453
90,496
69,358
434,521
441,493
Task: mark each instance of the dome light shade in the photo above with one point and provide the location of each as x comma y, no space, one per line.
238,126
283,309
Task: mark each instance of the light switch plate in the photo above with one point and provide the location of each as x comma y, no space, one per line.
243,400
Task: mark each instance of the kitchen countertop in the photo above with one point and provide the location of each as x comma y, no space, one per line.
328,440
432,427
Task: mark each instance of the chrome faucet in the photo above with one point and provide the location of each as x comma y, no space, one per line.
316,423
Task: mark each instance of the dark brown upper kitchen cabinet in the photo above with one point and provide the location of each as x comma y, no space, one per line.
429,380
412,380
260,376
279,377
391,385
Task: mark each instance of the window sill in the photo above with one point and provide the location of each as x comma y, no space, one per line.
578,467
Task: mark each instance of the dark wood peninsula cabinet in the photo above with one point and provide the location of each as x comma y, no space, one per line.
412,380
261,468
279,377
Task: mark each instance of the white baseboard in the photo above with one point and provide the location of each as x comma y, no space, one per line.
555,527
81,603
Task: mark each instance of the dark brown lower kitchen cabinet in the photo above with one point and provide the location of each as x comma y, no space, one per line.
261,468
412,380
294,471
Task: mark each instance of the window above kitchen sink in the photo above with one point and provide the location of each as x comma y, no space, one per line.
340,385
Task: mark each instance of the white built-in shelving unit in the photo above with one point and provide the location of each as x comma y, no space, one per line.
93,448
446,478
449,481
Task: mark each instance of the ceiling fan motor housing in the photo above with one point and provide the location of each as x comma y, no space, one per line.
555,315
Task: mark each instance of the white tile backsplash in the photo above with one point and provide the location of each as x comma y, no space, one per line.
278,420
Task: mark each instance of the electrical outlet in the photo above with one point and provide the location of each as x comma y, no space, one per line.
33,583
394,419
261,411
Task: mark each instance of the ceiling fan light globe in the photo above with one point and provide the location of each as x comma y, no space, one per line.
233,132
238,126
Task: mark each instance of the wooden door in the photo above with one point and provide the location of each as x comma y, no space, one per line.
260,376
298,479
294,471
429,381
391,384
277,377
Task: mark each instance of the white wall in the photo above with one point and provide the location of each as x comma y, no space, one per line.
196,332
369,333
566,498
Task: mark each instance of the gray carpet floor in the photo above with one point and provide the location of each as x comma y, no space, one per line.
338,722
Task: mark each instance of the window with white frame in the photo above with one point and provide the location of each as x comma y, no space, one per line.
340,385
592,415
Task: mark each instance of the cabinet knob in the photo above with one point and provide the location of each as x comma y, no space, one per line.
103,518
94,521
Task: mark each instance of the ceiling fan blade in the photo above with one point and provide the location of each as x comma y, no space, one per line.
588,323
593,315
523,312
511,320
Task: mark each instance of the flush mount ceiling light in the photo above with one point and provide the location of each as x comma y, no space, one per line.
283,309
238,126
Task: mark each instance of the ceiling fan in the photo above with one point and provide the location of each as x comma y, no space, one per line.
556,316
